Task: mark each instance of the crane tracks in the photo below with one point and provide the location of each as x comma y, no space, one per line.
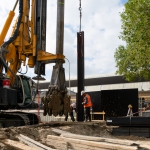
8,119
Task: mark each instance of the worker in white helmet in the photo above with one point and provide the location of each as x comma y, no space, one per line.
87,103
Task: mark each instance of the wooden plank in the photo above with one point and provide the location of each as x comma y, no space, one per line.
61,123
144,144
17,145
99,139
80,137
30,143
35,142
2,136
66,134
97,113
58,131
94,144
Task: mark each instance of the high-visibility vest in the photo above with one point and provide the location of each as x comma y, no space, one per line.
89,103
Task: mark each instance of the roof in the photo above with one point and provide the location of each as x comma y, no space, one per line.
95,81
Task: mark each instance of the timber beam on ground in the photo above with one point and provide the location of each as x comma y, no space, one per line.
53,123
81,142
63,123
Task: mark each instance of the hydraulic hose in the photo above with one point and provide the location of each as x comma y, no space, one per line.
18,25
11,39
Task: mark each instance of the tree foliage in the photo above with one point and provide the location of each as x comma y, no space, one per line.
133,60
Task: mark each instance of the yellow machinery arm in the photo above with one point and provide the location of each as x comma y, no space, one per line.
26,42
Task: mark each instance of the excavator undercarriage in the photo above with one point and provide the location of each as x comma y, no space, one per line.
17,118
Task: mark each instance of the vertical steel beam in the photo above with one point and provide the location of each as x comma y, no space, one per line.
80,75
58,74
41,15
60,27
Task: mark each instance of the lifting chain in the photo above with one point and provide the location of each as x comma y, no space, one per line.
80,9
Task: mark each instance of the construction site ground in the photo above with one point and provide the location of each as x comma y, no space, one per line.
40,132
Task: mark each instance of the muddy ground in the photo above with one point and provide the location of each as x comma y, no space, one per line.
40,132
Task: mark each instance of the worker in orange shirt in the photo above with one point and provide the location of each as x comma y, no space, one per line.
87,103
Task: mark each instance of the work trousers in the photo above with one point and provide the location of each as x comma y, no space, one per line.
71,115
87,115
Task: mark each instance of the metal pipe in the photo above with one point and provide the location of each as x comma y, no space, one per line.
15,5
41,14
60,27
6,26
69,77
80,75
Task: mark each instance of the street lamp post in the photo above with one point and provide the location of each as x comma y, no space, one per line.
69,76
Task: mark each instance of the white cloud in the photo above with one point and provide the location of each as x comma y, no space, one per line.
101,25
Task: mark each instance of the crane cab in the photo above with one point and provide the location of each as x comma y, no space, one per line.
21,94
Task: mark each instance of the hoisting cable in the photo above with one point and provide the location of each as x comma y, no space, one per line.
80,14
15,5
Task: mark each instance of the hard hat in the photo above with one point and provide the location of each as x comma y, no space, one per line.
130,106
82,92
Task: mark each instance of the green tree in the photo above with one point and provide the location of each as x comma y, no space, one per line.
133,60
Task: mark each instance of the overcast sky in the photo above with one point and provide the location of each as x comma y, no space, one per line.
101,24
